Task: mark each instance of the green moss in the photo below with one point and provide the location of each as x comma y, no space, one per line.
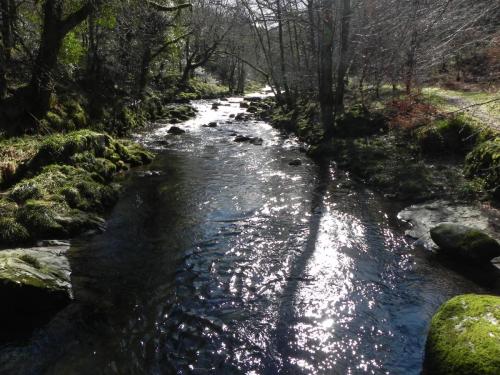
464,337
60,147
359,122
11,232
55,120
67,179
40,217
458,134
484,162
208,89
31,260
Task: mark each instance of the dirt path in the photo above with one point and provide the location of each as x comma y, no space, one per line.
477,111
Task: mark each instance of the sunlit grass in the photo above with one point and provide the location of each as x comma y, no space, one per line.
441,98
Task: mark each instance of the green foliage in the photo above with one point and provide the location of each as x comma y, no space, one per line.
359,122
40,218
484,162
464,337
72,50
457,134
11,232
71,180
198,89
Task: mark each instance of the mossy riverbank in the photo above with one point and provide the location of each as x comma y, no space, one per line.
60,185
445,157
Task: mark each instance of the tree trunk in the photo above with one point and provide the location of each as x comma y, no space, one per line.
55,28
7,19
325,69
344,50
283,71
241,78
410,63
41,85
144,74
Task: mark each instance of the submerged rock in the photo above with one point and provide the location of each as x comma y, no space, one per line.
241,138
212,124
34,280
295,162
464,337
464,242
257,141
241,117
174,130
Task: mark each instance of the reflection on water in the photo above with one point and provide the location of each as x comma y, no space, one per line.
227,260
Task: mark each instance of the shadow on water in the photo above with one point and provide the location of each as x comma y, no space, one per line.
286,318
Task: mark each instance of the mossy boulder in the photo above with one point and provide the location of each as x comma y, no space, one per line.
464,337
34,280
11,232
465,243
456,134
484,162
40,218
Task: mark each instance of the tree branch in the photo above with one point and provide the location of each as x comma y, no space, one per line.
169,43
246,62
165,8
473,105
75,18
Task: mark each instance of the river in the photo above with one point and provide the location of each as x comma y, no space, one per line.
222,258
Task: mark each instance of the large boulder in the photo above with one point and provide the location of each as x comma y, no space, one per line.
34,280
464,337
466,243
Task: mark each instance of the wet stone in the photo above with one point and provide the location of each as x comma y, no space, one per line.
242,138
257,141
174,130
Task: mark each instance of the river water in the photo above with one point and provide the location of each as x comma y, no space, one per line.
221,258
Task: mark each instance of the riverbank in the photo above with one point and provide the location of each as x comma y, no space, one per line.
60,183
409,151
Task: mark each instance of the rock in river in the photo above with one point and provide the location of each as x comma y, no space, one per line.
466,243
242,138
34,280
464,337
175,130
257,141
295,162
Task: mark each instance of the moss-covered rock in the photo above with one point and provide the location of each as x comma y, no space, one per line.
465,243
464,337
40,218
55,120
34,280
68,179
11,232
484,162
456,134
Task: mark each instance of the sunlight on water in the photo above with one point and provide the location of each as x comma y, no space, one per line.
236,262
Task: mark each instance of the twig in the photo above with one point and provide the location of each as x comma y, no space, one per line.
473,105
